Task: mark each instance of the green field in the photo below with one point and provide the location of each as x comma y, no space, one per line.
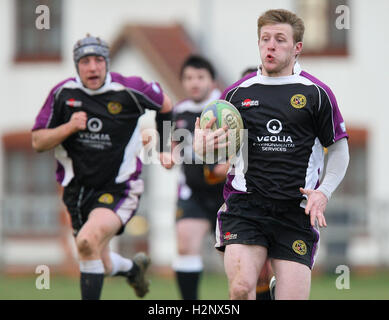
213,287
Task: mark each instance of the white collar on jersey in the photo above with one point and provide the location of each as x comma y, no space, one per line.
191,106
280,80
296,69
106,87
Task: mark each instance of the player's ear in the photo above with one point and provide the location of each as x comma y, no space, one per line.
298,48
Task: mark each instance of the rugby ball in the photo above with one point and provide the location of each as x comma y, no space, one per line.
225,114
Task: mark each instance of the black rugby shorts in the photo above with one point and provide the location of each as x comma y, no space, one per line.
200,207
280,226
122,199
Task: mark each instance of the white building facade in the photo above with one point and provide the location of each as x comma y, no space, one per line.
225,31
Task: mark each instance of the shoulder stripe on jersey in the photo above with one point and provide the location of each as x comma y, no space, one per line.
336,116
236,84
332,111
321,85
232,94
136,84
140,108
146,97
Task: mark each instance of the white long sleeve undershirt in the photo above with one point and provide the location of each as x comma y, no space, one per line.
337,162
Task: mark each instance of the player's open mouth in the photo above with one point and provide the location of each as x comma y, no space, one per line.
93,78
269,58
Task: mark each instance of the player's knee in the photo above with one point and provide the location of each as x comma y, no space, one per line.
85,246
183,249
185,246
239,291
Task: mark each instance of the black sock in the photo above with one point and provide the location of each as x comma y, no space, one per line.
188,283
130,273
133,271
91,285
264,295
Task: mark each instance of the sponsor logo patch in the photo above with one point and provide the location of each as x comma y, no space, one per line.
230,236
106,198
94,124
249,103
274,126
115,107
73,103
298,101
299,247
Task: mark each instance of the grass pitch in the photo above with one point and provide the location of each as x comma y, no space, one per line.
213,287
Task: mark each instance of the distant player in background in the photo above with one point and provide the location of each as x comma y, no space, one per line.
248,71
200,193
92,123
263,290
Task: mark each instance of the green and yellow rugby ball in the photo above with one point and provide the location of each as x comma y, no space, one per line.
225,114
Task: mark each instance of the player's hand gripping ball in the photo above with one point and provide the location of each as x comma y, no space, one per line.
226,115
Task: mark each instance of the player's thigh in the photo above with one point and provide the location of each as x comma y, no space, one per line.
101,226
190,234
265,274
243,263
293,280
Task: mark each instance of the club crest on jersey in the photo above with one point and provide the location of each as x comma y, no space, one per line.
115,107
249,103
106,198
299,247
298,101
73,103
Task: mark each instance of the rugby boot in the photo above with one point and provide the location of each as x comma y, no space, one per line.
137,279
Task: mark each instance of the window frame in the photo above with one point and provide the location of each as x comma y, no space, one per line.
41,55
329,50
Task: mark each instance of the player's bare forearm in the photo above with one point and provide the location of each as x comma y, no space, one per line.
46,139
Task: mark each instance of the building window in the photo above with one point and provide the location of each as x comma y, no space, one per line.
30,205
36,44
348,205
354,183
322,34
